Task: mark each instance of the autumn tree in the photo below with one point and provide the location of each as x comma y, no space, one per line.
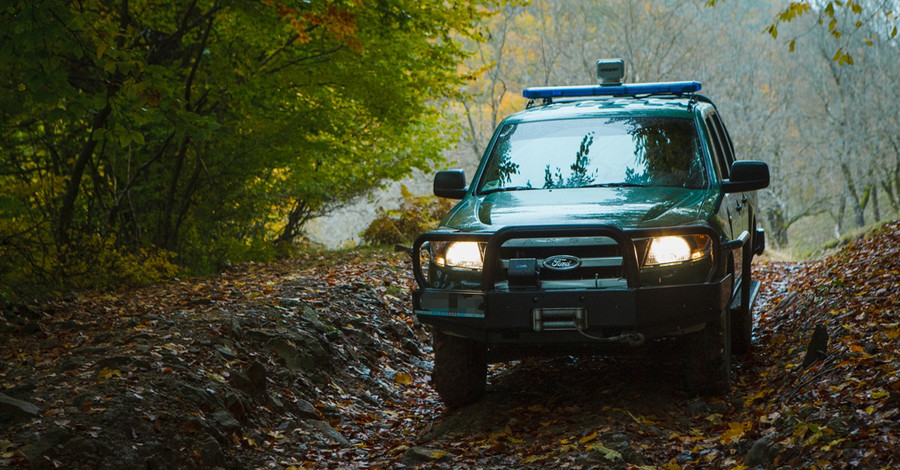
207,130
824,124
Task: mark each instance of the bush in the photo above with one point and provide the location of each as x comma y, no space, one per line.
34,266
415,215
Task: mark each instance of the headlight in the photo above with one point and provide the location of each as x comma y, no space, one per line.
677,249
466,255
451,264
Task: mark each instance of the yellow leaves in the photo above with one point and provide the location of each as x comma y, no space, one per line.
735,431
672,465
590,437
832,444
608,454
793,10
813,439
403,378
5,447
749,399
715,418
639,419
106,373
214,376
842,57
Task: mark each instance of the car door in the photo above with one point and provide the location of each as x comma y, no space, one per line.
734,205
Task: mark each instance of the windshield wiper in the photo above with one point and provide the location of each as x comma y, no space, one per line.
614,185
504,189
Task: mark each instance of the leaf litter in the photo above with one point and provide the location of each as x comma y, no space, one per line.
318,362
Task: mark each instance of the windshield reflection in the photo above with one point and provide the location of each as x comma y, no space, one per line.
599,152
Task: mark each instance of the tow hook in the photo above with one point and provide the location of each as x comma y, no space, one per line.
631,339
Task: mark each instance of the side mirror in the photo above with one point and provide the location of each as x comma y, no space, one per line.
450,184
747,175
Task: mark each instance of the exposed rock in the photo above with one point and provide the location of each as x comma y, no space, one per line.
256,372
293,358
697,408
200,397
817,348
79,445
312,316
326,432
226,421
211,454
423,455
14,407
306,410
762,453
113,362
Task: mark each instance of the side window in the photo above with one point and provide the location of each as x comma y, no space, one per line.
727,144
721,161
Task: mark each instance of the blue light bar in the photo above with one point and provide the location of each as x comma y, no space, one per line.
616,90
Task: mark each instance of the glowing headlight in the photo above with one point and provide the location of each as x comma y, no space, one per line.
674,249
463,255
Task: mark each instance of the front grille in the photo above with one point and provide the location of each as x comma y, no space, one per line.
600,262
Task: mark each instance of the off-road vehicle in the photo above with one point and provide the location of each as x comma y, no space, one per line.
600,217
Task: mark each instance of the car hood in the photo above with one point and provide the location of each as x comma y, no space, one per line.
623,207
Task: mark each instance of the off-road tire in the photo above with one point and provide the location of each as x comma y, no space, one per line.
460,369
708,361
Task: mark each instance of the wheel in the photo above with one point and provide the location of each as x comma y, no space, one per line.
742,318
708,357
460,369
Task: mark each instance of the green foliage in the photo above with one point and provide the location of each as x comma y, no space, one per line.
86,262
211,129
416,214
838,17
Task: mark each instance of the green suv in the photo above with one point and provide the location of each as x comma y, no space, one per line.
600,218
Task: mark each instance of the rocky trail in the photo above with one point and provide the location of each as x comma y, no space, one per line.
318,362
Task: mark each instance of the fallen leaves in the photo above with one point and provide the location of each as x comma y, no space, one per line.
841,412
106,373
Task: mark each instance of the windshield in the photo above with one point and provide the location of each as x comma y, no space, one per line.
577,153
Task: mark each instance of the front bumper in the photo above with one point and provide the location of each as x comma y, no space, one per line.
518,316
539,316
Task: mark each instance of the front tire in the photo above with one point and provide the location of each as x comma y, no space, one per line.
708,356
460,369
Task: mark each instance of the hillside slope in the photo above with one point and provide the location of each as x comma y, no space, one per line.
318,362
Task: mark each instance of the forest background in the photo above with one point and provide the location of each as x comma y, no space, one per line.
140,140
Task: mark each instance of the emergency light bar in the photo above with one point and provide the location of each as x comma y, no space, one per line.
615,90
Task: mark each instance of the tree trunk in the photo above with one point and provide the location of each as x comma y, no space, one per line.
874,195
164,236
297,216
778,227
67,209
